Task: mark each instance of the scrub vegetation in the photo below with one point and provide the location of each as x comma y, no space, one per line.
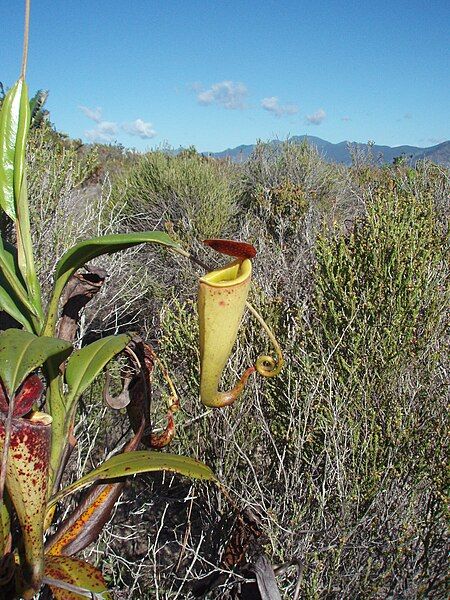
337,468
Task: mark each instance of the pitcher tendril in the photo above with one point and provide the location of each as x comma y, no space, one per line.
266,365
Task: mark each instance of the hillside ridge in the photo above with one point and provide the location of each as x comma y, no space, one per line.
340,152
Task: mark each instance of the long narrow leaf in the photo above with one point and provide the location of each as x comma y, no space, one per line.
85,251
15,124
10,306
72,579
11,279
21,352
92,514
9,126
9,301
83,526
23,125
79,255
142,461
85,364
81,370
25,250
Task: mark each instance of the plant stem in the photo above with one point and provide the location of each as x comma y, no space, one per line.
4,460
57,409
26,30
191,257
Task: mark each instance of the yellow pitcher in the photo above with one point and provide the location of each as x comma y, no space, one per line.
221,303
222,300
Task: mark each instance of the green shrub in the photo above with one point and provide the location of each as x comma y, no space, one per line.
379,289
190,194
284,183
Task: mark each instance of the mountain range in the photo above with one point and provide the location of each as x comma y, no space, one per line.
340,153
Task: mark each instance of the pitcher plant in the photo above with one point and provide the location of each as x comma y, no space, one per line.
222,298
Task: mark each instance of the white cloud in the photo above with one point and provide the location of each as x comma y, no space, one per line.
139,128
317,117
95,114
226,94
273,106
104,132
108,127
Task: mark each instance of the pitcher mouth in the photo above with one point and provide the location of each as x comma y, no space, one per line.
232,274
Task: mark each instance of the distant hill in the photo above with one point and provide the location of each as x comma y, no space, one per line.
339,153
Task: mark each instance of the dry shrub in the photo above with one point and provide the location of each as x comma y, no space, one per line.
343,456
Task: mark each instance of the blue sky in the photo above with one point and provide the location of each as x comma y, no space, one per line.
219,73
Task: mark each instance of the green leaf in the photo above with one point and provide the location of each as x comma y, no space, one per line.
142,461
14,126
25,252
85,251
14,122
9,121
82,253
10,253
85,364
21,352
73,578
10,306
21,141
9,302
